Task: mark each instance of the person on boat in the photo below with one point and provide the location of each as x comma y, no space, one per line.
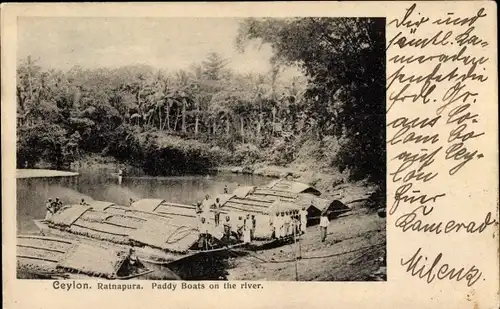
273,221
227,228
217,211
239,227
225,189
49,208
132,257
206,205
254,225
296,224
281,225
56,205
204,232
287,222
297,217
198,209
303,220
323,225
247,230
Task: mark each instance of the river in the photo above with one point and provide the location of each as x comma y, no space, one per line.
33,192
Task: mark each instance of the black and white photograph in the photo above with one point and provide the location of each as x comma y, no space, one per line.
207,148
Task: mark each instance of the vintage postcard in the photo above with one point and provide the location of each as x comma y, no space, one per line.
250,154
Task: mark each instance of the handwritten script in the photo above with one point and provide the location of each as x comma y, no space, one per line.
436,66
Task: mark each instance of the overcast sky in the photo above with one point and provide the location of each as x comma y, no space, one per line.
169,43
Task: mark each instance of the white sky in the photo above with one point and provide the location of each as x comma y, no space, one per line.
168,43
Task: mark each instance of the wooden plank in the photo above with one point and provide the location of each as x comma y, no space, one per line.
177,205
258,198
251,203
99,230
123,214
45,238
41,248
275,193
236,206
176,214
36,258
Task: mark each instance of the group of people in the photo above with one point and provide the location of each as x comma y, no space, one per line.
244,229
52,207
283,223
203,209
288,223
203,213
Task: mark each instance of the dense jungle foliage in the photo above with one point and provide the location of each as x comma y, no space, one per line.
190,120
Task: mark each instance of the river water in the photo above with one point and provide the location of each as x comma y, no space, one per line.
33,192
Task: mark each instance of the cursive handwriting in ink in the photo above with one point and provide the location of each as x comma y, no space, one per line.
408,160
407,22
455,93
417,221
417,266
406,133
437,68
460,21
403,195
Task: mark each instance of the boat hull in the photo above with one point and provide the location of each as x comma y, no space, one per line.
154,259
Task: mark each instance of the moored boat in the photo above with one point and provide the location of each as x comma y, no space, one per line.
157,240
40,257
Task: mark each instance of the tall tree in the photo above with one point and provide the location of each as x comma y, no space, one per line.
344,59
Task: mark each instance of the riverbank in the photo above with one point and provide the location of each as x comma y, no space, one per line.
331,183
34,173
323,180
354,250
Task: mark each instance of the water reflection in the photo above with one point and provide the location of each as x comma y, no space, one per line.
33,192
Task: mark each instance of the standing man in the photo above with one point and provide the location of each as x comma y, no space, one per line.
217,211
281,225
206,206
254,225
56,205
247,230
239,228
295,225
288,221
323,225
227,228
225,189
303,220
198,209
120,176
49,208
204,233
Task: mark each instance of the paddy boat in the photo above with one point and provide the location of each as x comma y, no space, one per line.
160,242
40,257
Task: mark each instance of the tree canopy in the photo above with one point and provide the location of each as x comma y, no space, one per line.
344,60
208,112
